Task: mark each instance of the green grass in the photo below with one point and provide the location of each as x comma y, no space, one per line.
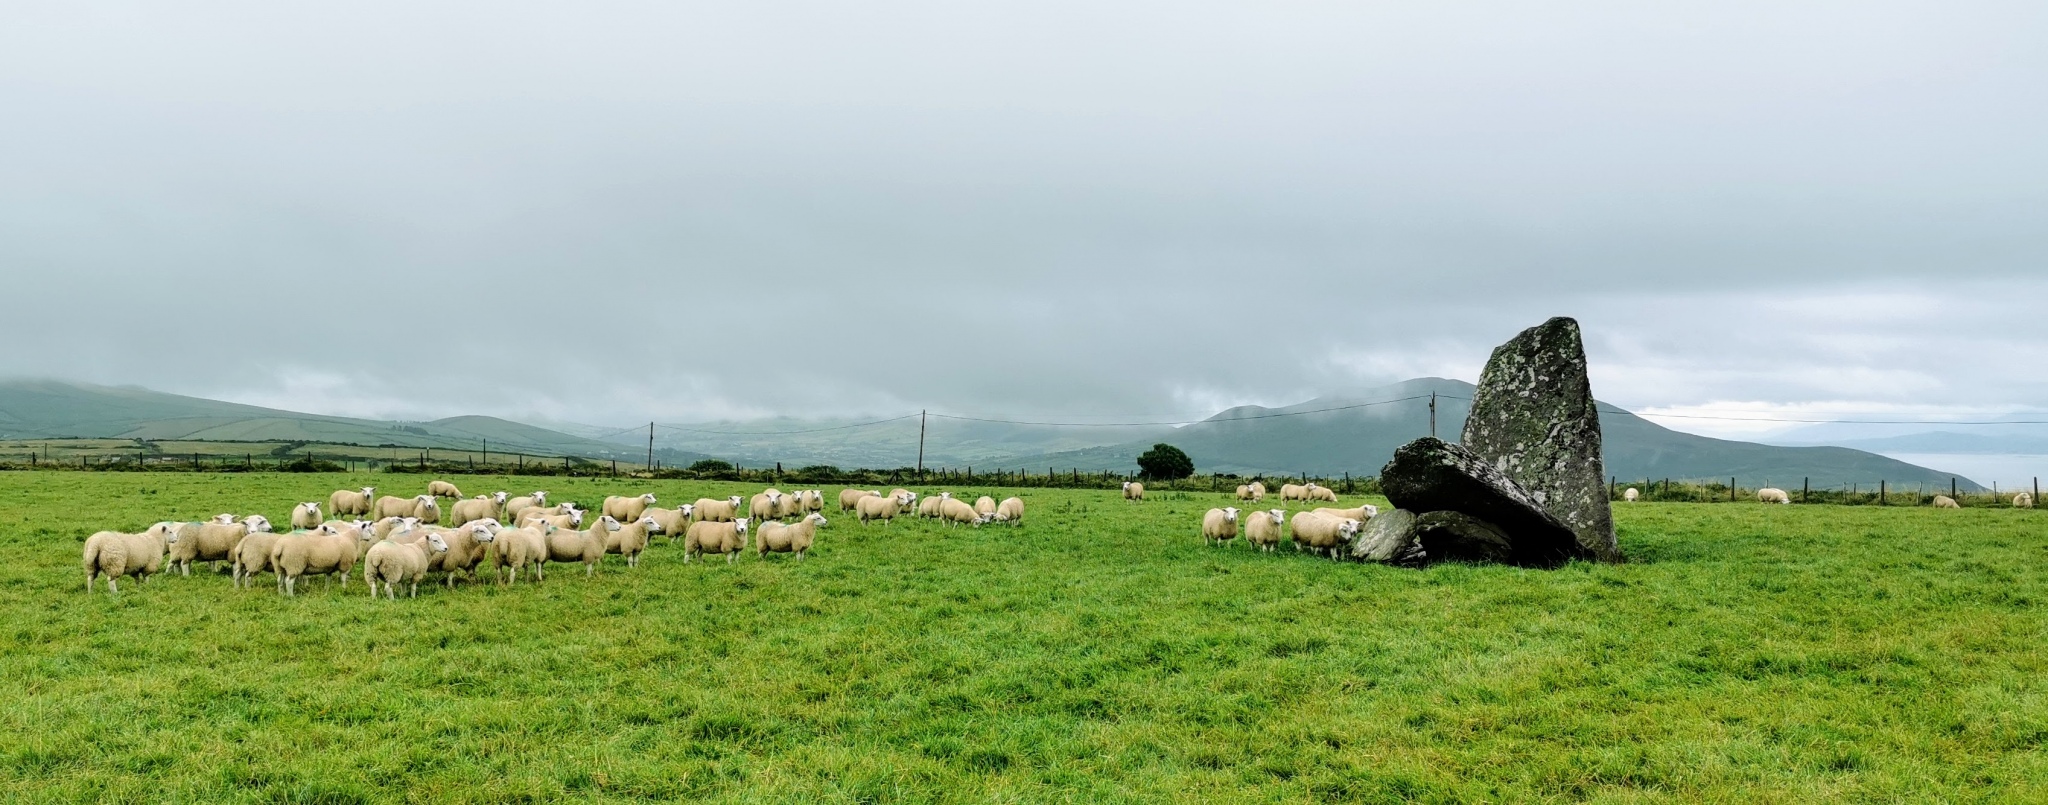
1747,653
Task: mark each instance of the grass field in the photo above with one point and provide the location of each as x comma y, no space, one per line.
1101,653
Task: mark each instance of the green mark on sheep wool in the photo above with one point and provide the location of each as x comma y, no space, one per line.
1533,418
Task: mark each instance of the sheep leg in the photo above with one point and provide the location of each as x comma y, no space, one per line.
112,589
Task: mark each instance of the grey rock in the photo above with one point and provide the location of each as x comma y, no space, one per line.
1430,475
1533,419
1389,538
1456,537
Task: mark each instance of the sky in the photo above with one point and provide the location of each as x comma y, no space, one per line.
613,212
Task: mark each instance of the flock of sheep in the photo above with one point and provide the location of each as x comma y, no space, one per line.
1768,494
399,540
1324,531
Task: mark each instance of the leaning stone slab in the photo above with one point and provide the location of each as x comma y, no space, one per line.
1533,418
1429,475
1389,538
1456,537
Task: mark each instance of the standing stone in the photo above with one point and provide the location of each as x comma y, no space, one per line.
1533,418
1455,537
1389,538
1430,475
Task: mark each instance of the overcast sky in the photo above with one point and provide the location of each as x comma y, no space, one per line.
616,212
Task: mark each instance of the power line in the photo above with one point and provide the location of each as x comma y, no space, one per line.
783,432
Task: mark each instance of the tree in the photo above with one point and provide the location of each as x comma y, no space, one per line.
711,465
1165,462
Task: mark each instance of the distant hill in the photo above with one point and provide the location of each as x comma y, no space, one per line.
1361,436
855,443
31,409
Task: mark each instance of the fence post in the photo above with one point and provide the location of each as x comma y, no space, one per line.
1805,489
1731,490
1882,488
1951,488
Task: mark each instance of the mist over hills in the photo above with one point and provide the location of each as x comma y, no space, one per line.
1355,433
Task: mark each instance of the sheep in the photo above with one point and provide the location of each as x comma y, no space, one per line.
481,507
1321,493
1252,493
628,540
795,539
878,507
1630,494
346,502
1219,525
929,507
715,537
847,497
670,521
394,506
2023,500
905,498
1258,490
985,505
252,556
1293,492
765,506
509,510
395,563
306,515
814,501
1946,502
1011,511
955,511
716,511
385,527
514,548
1363,513
626,509
322,551
213,541
569,545
1773,495
1134,492
1322,533
443,489
466,548
114,554
574,519
1263,528
427,509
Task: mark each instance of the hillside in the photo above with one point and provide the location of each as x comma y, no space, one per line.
31,409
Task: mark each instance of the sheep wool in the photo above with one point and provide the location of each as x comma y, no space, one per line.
706,510
715,537
1630,494
849,496
1134,491
1946,502
396,563
393,506
1219,525
252,556
1362,513
1772,495
880,508
955,512
1251,493
467,546
444,489
324,551
1321,493
1322,533
985,505
628,540
1293,492
481,507
669,521
356,503
569,545
515,548
306,515
765,506
1011,511
795,539
2023,500
114,554
627,509
1264,528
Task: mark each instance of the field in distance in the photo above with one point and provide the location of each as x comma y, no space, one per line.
1099,653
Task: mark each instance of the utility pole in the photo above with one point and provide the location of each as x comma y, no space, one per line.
920,444
487,453
650,447
1432,415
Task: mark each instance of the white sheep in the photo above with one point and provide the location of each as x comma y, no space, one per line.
728,538
795,539
985,505
1264,528
1322,533
443,489
955,512
706,510
847,497
213,541
906,500
765,506
626,509
1258,489
1946,502
1321,493
384,528
1011,511
1293,492
569,545
481,507
1362,513
814,500
395,563
1773,495
515,548
346,502
1251,493
306,515
630,539
324,551
670,521
1134,491
930,506
115,554
573,519
2023,500
393,506
509,510
1630,494
880,507
252,556
467,546
791,505
1219,525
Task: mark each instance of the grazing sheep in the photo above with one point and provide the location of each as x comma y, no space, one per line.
765,506
1134,491
443,489
879,507
574,519
324,551
1259,489
467,546
510,510
1772,495
630,539
1946,502
626,509
1293,492
252,556
1011,511
1321,493
715,537
985,505
1263,528
383,529
346,502
514,548
306,515
1630,494
213,541
670,521
1219,525
1363,513
569,545
847,497
814,500
1252,493
929,506
395,563
481,507
707,510
955,511
905,498
423,507
2023,500
789,538
1322,533
114,554
791,505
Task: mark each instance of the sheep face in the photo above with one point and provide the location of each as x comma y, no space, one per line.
224,519
369,490
440,545
734,500
816,518
576,517
650,524
649,497
688,510
740,524
540,497
481,533
610,524
1279,515
1230,513
501,497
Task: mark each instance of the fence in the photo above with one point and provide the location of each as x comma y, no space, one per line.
1882,493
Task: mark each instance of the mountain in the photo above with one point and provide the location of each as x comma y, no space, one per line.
1985,444
31,409
893,443
1358,435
